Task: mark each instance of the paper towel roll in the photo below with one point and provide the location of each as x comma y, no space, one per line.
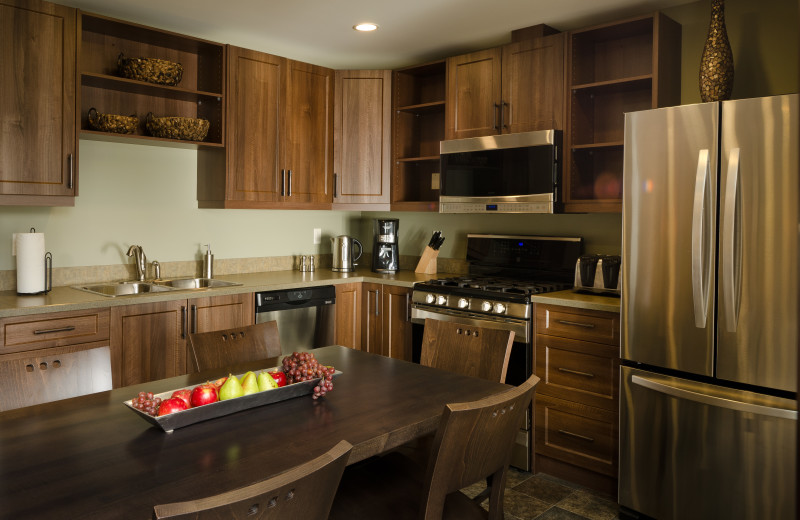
30,263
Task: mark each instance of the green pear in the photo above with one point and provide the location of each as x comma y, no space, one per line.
232,388
265,381
249,384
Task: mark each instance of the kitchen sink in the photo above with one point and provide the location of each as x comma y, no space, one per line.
123,288
194,283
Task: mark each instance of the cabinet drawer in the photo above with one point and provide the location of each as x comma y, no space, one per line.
577,434
566,322
580,371
53,330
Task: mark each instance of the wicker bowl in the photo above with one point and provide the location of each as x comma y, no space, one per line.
185,128
152,70
112,123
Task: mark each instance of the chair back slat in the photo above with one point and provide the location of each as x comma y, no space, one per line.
220,348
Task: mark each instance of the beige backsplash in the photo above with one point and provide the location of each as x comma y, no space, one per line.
66,276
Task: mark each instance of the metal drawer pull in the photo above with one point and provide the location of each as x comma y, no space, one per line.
576,324
49,331
581,437
576,372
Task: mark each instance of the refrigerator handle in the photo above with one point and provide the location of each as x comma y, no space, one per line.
700,274
731,254
710,400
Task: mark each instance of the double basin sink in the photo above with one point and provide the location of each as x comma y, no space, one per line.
128,288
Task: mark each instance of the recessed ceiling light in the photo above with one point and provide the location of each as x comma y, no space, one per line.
366,26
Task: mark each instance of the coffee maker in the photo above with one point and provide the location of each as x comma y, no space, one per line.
384,251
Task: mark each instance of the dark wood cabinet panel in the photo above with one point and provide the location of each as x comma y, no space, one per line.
582,324
474,94
221,312
362,137
348,315
38,144
372,320
397,322
54,329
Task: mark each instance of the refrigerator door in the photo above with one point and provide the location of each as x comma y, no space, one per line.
698,451
757,321
669,235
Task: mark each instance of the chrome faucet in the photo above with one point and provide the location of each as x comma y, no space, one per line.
141,261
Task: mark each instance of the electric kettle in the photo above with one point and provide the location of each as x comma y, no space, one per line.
343,259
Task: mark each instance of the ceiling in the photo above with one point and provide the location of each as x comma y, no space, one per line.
320,31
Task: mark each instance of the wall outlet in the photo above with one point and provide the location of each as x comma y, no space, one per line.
317,236
435,181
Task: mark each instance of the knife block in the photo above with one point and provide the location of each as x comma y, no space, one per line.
427,263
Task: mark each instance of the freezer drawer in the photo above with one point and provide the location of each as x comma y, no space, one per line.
692,450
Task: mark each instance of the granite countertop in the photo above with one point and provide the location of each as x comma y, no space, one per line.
571,298
70,299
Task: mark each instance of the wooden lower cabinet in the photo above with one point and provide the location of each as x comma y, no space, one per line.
348,315
386,320
149,341
576,419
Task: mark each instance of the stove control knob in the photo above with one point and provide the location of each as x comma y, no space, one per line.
463,303
500,308
429,298
486,306
441,300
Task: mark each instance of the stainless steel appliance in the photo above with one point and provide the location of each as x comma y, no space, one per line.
385,257
344,257
504,271
598,274
305,317
509,173
708,416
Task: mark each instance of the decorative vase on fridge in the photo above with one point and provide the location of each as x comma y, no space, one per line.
716,65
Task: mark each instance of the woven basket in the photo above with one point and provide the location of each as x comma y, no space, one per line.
152,70
112,123
185,128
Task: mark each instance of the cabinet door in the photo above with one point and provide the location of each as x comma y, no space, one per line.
473,94
397,322
533,84
363,146
216,313
307,141
348,315
372,320
253,135
148,342
37,108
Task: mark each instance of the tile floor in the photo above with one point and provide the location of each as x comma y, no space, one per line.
542,497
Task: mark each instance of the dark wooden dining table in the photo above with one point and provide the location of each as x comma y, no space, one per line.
93,457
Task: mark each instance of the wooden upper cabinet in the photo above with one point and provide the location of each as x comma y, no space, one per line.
473,94
515,88
38,42
279,136
362,139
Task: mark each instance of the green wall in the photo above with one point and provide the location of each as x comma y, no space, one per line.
139,194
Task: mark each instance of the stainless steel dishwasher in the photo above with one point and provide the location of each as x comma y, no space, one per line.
305,316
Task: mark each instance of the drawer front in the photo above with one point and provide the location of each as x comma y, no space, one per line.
576,434
54,330
579,371
598,326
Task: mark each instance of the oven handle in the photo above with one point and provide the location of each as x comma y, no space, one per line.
520,327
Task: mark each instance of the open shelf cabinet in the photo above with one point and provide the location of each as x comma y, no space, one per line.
200,93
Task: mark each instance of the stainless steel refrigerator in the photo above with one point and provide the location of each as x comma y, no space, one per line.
708,415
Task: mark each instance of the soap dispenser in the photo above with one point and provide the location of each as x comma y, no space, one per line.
208,263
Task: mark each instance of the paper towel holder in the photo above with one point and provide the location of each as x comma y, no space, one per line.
48,273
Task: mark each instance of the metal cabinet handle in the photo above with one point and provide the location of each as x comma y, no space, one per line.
283,182
701,206
290,183
377,294
731,254
503,125
70,171
496,117
576,436
183,322
576,372
576,324
50,331
335,192
408,307
194,319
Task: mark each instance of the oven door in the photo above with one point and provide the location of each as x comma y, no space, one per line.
520,363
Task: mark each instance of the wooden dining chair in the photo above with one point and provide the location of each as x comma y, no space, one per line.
466,350
303,492
53,374
473,442
221,348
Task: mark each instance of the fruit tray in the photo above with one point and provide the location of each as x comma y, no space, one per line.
170,422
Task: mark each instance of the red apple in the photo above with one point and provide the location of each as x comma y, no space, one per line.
219,382
204,394
279,377
184,394
173,404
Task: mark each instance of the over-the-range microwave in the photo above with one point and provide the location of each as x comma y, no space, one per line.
509,173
